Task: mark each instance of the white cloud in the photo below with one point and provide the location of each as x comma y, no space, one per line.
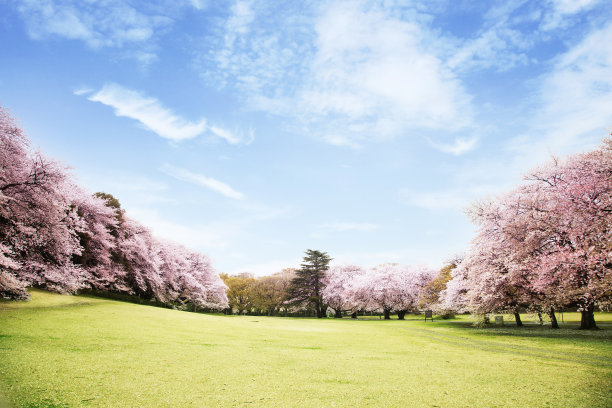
197,237
344,72
240,18
148,111
199,4
499,47
578,92
459,147
83,90
563,10
373,76
440,200
201,180
572,111
415,256
233,137
266,268
157,118
350,226
113,23
573,6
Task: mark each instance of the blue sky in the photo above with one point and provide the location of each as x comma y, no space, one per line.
254,130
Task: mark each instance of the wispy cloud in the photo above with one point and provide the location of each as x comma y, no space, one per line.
266,268
201,180
561,12
377,75
233,137
148,111
459,147
325,230
199,4
154,116
350,226
439,200
572,109
577,94
347,72
199,237
111,24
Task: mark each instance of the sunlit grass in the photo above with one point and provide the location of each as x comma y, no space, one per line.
64,351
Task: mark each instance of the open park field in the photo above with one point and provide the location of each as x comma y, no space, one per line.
78,351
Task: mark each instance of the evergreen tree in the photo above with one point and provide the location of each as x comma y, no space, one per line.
306,287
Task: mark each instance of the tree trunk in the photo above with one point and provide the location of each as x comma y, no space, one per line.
541,320
553,318
321,312
517,318
338,314
354,315
387,313
401,314
587,321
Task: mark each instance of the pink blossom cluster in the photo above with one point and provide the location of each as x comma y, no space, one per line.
545,244
56,236
388,287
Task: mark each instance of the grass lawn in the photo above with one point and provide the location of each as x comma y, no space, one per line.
78,351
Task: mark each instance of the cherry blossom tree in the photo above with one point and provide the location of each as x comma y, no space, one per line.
38,227
392,287
547,242
454,296
56,236
97,238
338,291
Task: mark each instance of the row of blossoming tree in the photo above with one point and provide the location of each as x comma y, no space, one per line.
315,288
345,289
386,288
56,236
545,245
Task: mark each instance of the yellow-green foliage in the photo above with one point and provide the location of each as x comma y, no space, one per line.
431,292
76,351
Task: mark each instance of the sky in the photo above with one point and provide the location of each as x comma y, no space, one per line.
254,130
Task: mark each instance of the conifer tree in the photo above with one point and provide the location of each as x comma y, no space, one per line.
306,287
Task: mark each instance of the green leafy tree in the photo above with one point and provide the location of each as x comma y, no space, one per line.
240,291
306,287
270,292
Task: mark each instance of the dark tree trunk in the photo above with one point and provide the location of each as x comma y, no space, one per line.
354,315
553,318
387,313
517,318
401,314
587,321
338,314
541,320
321,312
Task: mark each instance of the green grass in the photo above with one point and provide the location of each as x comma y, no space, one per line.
71,351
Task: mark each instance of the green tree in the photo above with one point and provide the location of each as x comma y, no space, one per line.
270,292
305,288
240,291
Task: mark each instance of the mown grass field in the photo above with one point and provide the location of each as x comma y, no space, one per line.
77,351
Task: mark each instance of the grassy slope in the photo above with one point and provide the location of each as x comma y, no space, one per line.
58,351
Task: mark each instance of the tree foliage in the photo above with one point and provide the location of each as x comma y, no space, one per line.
56,236
546,243
306,288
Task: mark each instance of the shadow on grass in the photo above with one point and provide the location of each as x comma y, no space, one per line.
530,330
491,339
